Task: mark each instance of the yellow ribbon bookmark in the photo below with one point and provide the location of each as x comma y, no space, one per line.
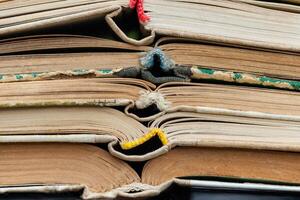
155,131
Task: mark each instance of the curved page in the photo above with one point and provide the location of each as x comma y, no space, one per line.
234,163
89,91
202,129
53,164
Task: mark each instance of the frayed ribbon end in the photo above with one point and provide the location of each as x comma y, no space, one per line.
148,98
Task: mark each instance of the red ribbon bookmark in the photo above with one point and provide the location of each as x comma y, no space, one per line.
139,6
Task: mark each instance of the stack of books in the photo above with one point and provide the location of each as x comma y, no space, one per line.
115,99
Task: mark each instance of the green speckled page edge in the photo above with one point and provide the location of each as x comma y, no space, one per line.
243,78
34,76
197,72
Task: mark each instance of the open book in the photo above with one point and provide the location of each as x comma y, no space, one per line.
65,167
236,22
141,94
53,56
131,140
